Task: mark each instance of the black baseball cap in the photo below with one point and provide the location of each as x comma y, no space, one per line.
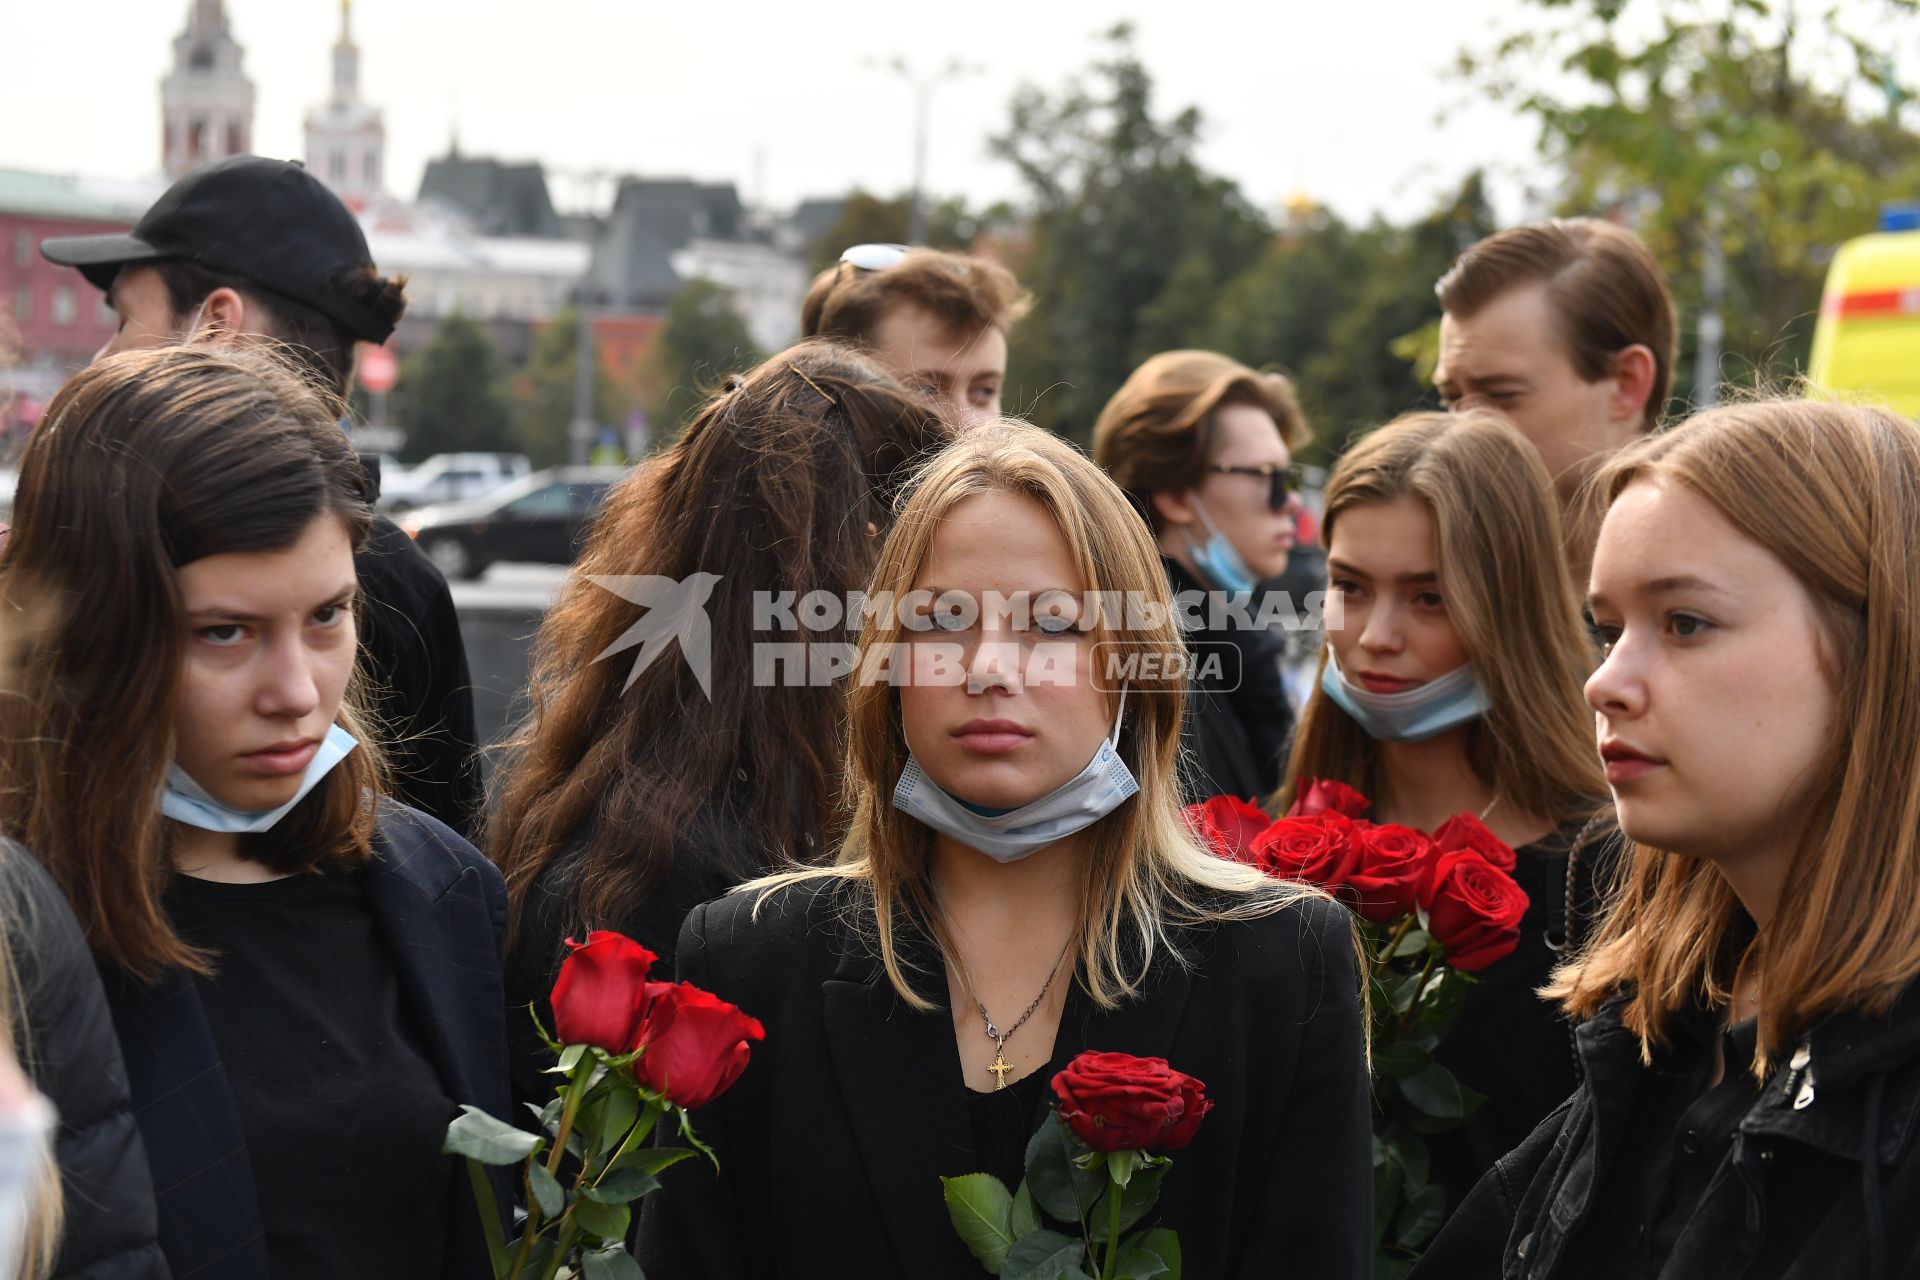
267,221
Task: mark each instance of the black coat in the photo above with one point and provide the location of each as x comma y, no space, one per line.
444,912
423,694
1822,1181
1239,722
64,1036
833,1142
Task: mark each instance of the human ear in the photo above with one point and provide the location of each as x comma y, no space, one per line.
1175,506
1633,373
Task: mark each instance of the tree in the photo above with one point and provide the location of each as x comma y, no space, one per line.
454,393
545,408
704,340
1131,239
1740,121
868,219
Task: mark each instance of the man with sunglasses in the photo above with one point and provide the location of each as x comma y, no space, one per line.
938,320
1202,445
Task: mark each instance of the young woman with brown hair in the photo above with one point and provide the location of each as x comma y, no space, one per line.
303,975
1017,840
633,794
1450,683
1751,1038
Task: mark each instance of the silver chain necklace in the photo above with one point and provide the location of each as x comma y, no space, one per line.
1000,1066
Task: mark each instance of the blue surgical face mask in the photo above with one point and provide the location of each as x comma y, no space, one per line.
1012,834
1218,560
185,800
1412,715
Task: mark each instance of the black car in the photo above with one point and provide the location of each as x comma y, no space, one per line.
541,518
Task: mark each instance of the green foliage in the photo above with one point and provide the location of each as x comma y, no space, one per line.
1780,127
1130,239
452,393
869,219
981,1208
545,407
704,340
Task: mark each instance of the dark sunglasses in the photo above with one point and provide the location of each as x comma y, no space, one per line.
1285,481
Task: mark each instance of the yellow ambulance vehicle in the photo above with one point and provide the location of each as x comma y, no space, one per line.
1866,344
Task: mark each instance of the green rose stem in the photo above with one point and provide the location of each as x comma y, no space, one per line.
576,1091
1393,940
1115,1193
569,1229
1419,988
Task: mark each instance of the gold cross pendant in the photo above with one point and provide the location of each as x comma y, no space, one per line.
1000,1066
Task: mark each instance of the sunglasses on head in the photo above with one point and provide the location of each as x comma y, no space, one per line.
1285,481
873,257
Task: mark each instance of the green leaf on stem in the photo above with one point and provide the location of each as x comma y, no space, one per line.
685,1121
1026,1216
541,1256
1398,1060
1044,1255
607,1221
546,1191
569,1059
1420,1215
618,1111
981,1208
1165,1245
1120,1167
1435,1091
1415,942
654,1159
621,1186
1137,1198
1138,1263
1063,1189
1388,1180
1409,1150
609,1264
479,1136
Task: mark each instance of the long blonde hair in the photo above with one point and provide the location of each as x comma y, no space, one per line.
1508,595
1833,492
1143,869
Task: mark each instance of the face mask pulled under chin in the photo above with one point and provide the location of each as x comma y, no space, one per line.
1090,795
185,800
1413,715
1218,559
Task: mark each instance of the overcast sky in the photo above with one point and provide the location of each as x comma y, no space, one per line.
1337,100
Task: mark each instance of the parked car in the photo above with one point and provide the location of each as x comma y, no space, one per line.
449,477
542,518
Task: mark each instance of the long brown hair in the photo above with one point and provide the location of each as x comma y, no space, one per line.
1144,870
772,488
1833,492
145,462
1509,597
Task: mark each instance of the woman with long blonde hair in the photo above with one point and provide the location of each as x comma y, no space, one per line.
1450,684
1750,1039
1017,886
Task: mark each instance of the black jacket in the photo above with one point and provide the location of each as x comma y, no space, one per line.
1822,1181
1239,722
833,1142
423,694
444,911
65,1040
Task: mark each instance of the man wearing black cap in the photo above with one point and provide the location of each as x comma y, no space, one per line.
256,246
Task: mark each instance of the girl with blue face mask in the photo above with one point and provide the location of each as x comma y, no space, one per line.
291,959
1203,447
1018,886
1450,683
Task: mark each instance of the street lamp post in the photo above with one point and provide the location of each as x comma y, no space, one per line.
923,86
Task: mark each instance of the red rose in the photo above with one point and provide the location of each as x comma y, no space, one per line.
1464,831
1387,877
1117,1102
1473,909
1320,850
1323,795
1228,825
695,1044
601,993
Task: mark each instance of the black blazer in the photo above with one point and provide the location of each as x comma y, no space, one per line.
1239,723
444,910
833,1142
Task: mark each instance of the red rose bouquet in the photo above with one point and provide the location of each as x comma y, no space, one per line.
1438,908
1092,1166
630,1051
